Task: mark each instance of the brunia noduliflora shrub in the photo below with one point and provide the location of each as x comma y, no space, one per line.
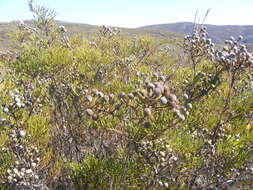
23,172
116,112
198,46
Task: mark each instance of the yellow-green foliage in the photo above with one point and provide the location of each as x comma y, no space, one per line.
103,174
35,61
117,112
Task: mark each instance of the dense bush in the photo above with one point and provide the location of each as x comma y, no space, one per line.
117,112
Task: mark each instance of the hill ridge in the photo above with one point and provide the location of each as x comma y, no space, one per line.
218,33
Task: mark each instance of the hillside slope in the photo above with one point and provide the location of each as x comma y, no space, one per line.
218,33
85,30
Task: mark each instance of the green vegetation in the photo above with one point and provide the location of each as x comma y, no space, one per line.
120,112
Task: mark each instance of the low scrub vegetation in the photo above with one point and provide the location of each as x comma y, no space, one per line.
117,112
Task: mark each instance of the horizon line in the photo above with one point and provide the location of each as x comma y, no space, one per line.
73,22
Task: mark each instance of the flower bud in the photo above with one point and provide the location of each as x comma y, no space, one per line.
240,38
89,112
131,95
22,133
163,100
157,92
146,124
100,94
106,98
88,98
122,95
147,112
117,107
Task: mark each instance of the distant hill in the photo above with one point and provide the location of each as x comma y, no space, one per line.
175,30
85,30
5,29
218,33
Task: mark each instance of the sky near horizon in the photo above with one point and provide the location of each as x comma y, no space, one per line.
134,13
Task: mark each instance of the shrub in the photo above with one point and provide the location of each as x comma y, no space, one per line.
118,112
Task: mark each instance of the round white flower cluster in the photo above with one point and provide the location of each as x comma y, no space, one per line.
23,173
234,56
160,156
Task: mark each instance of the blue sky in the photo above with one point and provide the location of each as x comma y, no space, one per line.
134,13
